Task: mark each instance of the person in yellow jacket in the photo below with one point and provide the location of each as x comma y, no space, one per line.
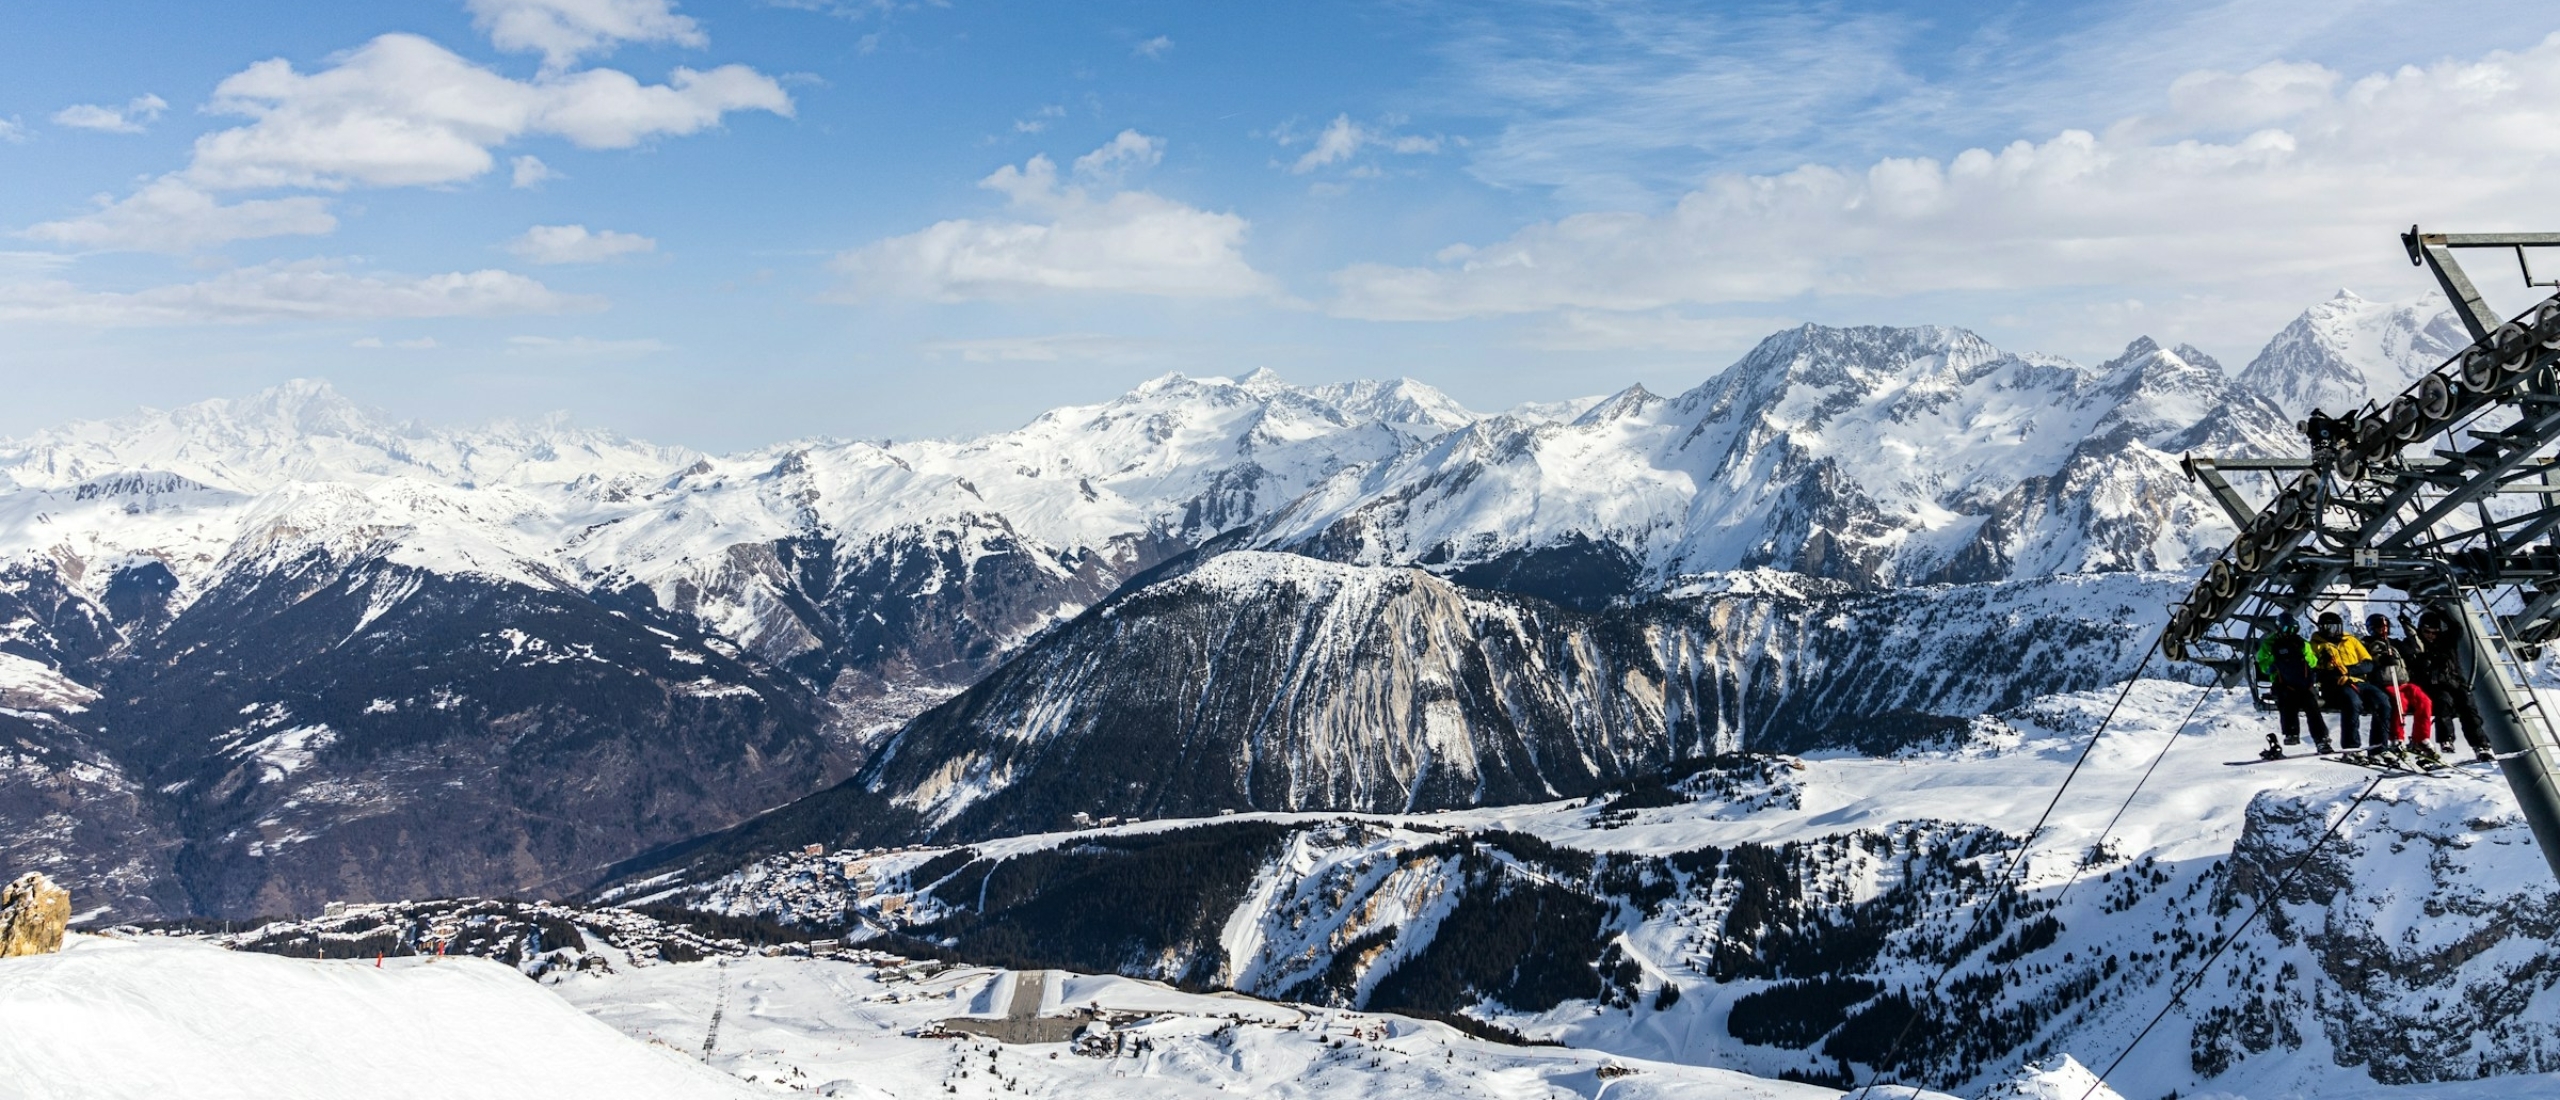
2342,659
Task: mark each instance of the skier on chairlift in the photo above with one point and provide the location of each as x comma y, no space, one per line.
2435,662
2287,661
2417,713
2341,656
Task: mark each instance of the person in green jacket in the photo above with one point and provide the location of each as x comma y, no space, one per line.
2287,661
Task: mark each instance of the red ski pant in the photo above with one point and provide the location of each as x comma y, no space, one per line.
2417,712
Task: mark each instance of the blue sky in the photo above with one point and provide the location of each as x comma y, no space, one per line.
727,223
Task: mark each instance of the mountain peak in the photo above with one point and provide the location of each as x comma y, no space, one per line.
2347,350
1627,402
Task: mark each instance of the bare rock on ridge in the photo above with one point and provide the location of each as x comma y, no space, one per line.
33,913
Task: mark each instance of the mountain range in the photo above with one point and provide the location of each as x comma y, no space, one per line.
257,654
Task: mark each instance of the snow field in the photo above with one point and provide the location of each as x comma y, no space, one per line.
836,1028
129,1019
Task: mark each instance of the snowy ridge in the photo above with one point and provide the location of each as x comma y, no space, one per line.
1874,455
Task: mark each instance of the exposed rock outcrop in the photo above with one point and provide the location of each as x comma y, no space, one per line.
33,913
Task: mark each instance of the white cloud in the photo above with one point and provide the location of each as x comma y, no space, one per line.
168,215
1039,120
403,111
128,119
563,30
1342,138
581,347
1132,242
1126,152
306,291
12,130
376,343
575,244
2277,211
1054,348
1154,48
530,173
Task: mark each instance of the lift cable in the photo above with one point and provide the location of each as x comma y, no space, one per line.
2101,844
2026,846
2205,969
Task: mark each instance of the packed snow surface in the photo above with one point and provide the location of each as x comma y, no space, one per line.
841,1028
127,1019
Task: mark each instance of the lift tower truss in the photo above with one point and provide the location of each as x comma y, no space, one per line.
2449,493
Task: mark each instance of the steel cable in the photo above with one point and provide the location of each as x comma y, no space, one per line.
2026,846
2206,969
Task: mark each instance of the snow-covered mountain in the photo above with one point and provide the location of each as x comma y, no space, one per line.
1875,456
1265,681
2348,350
314,653
283,649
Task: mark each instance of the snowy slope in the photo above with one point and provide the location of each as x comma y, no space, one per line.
847,1029
119,1020
2415,959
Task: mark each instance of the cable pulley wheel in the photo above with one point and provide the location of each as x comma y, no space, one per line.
2222,581
2406,422
2479,370
2435,398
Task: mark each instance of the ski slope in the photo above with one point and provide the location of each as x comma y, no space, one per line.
132,1019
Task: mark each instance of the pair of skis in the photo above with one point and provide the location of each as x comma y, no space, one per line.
2356,759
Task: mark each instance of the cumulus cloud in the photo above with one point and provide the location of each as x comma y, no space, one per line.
376,343
128,119
1129,151
529,173
1129,242
12,130
169,215
306,291
575,244
1342,139
564,30
2316,173
403,111
1154,48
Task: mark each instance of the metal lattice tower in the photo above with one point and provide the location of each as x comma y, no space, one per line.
2449,493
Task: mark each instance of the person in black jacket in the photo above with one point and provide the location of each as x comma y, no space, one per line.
2435,663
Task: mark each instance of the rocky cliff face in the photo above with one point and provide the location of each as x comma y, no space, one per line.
1262,681
2416,945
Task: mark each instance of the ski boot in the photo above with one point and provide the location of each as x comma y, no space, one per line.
2482,756
2426,758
